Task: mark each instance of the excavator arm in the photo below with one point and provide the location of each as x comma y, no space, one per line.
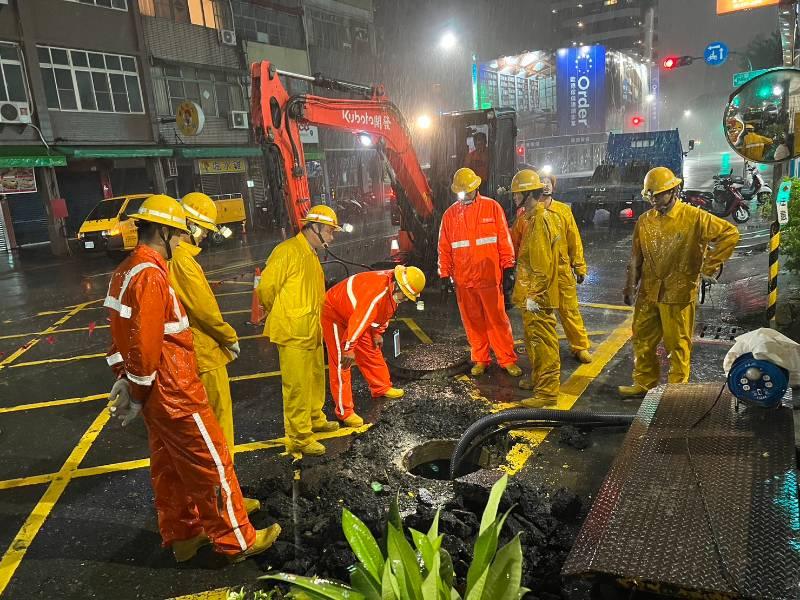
278,117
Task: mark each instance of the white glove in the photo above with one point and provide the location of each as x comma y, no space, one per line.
709,279
767,344
235,350
122,404
532,306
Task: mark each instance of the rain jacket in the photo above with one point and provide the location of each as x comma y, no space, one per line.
292,290
537,268
754,145
151,340
671,251
212,335
570,246
475,244
363,302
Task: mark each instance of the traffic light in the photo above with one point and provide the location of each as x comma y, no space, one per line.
637,121
521,151
673,62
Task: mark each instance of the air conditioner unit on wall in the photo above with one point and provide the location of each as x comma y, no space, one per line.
15,112
238,119
227,37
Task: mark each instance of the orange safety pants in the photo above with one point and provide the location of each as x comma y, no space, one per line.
369,360
195,486
483,313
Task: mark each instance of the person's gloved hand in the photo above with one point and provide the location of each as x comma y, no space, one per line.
348,360
627,298
377,339
709,279
508,280
122,405
532,306
235,350
579,278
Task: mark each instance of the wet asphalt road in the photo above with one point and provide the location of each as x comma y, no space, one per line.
94,524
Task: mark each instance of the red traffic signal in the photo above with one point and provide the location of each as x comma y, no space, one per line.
673,62
637,121
521,151
670,62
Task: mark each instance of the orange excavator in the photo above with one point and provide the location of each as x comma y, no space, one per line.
277,117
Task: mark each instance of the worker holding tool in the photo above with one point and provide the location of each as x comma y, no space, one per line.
197,494
474,249
355,316
292,290
571,266
536,292
674,246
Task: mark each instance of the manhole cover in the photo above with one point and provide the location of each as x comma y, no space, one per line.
718,332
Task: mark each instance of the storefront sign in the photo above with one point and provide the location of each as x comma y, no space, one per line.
215,166
190,118
581,89
17,180
729,6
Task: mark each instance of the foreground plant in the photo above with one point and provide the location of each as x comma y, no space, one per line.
399,572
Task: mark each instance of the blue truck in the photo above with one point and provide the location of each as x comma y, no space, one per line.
616,183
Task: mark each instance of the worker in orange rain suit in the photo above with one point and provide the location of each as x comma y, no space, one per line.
474,249
292,290
536,291
571,266
355,316
215,341
197,495
674,246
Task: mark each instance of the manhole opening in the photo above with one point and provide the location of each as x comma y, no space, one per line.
431,460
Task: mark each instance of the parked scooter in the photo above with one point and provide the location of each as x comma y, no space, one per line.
725,201
758,188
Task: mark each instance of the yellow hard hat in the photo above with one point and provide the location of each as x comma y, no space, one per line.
526,180
201,210
749,127
411,281
465,181
163,210
322,214
659,180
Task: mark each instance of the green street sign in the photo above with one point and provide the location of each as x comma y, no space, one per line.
739,79
784,192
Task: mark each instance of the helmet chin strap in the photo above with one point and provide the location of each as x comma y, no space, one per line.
319,235
166,239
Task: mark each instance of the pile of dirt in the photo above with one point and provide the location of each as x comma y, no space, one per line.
366,476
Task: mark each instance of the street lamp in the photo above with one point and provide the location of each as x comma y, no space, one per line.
424,122
650,98
687,113
448,41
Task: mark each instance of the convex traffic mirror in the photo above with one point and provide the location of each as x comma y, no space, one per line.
762,119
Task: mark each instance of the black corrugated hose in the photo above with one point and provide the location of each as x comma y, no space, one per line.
528,418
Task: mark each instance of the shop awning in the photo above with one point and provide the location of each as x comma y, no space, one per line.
30,156
218,152
78,152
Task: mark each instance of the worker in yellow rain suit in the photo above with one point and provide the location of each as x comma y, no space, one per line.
215,341
292,290
536,291
674,246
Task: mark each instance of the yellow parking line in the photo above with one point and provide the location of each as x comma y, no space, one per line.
620,307
22,541
416,330
51,403
57,331
224,282
242,293
255,376
48,361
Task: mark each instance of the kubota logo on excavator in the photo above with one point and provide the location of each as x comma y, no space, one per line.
380,122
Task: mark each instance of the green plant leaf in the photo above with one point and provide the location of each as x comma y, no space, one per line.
424,547
430,585
321,587
505,574
393,519
482,555
433,532
446,571
400,551
363,582
454,595
363,543
490,512
522,592
390,589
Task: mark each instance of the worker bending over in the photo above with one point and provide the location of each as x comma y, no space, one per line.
292,289
355,316
674,245
474,249
536,292
197,495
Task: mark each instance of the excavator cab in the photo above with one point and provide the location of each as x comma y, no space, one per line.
484,140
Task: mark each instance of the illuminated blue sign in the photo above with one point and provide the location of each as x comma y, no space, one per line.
581,90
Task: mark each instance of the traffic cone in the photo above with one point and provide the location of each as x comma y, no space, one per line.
257,315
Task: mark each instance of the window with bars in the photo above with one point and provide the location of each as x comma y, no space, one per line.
197,12
116,4
216,92
85,81
12,77
335,31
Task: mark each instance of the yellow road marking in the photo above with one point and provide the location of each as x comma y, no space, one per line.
561,336
242,293
255,376
47,361
15,355
69,330
51,403
131,465
416,330
620,307
22,541
224,282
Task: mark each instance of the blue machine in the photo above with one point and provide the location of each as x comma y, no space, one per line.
758,381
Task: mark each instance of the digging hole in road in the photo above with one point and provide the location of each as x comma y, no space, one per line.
431,460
